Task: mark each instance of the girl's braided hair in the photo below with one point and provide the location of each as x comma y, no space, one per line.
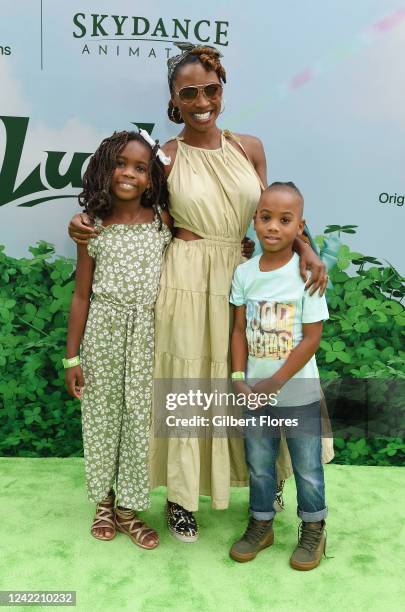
96,197
209,58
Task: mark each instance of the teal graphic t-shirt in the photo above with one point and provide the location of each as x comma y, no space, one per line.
276,308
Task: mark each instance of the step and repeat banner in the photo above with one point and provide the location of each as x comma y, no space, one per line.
321,83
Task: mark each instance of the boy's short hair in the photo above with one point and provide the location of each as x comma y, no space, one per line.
286,186
280,186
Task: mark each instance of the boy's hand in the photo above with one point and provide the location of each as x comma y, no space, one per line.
240,387
268,386
74,381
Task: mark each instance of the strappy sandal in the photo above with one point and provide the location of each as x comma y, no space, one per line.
105,518
129,523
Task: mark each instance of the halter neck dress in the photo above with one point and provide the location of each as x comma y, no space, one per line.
213,193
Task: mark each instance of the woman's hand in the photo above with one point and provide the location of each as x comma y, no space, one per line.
248,246
80,229
309,260
74,381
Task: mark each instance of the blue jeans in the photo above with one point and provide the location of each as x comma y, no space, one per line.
304,443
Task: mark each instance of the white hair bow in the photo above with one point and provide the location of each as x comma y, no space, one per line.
163,158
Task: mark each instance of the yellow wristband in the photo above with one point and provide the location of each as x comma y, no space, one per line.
71,362
238,375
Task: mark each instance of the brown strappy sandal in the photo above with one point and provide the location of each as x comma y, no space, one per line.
105,518
129,523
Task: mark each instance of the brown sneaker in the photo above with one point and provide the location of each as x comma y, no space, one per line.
311,546
258,535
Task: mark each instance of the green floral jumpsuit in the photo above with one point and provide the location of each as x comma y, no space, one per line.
117,360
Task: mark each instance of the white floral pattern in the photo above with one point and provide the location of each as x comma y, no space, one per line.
117,360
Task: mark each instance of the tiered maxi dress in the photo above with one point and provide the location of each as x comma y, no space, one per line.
213,193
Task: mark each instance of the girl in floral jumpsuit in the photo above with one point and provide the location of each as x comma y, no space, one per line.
112,321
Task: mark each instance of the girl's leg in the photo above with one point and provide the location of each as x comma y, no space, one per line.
132,469
133,464
101,407
127,521
103,527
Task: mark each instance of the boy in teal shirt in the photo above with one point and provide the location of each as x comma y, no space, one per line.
277,330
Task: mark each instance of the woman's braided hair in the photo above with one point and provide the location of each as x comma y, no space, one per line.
209,58
96,197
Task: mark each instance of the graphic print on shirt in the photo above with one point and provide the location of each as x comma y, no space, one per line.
269,328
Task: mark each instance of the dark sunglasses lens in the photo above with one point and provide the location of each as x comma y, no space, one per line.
213,90
188,93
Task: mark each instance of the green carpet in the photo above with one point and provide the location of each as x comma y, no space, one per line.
46,545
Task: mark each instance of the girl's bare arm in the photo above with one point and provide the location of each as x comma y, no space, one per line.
79,310
81,301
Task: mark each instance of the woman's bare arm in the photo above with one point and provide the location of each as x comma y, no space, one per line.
255,151
167,220
170,149
309,260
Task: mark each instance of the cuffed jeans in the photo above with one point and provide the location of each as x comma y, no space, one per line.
304,444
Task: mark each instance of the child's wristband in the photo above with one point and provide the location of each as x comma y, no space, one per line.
238,376
71,362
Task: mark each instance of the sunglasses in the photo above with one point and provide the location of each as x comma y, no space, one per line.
190,93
